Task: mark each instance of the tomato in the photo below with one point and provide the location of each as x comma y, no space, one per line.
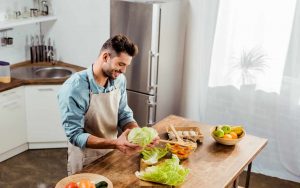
72,185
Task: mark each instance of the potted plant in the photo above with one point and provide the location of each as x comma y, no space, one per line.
249,65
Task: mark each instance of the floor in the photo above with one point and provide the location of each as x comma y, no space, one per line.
43,168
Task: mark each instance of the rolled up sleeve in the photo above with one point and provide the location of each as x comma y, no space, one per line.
73,107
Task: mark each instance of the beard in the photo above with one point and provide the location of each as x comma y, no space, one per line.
112,74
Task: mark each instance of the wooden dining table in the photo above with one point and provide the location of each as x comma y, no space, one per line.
212,165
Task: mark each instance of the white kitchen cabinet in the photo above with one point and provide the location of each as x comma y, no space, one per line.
13,132
44,128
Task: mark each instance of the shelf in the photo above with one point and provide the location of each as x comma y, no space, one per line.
25,21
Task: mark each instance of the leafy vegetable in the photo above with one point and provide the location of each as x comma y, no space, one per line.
170,172
142,136
151,155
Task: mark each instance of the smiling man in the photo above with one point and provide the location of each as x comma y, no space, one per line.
93,105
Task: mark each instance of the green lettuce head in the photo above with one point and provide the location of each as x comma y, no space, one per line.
169,172
142,136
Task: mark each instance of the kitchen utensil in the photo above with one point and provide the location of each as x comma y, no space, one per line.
41,48
44,48
176,134
10,40
32,51
33,12
174,142
4,39
50,52
44,8
37,48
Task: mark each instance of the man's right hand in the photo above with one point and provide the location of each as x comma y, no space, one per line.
126,147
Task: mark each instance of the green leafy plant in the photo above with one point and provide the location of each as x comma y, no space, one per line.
249,64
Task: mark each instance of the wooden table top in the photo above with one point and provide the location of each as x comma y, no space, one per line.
211,165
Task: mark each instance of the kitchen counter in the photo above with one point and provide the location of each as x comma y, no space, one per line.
15,82
211,165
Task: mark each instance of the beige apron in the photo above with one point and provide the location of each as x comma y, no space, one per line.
101,120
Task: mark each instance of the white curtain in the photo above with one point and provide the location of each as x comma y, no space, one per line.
242,67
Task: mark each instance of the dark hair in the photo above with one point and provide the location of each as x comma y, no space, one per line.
120,43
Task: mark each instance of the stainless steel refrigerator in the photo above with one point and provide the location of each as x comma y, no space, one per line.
154,77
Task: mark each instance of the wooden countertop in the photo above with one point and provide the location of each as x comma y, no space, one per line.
211,165
19,82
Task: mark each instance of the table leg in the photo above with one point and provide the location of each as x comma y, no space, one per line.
236,183
248,175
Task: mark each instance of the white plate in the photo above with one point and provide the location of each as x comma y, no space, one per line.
77,177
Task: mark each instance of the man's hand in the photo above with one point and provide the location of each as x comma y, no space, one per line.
126,147
154,142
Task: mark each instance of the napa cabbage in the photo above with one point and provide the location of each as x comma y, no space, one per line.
152,155
142,136
169,172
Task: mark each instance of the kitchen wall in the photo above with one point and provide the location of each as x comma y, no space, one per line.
80,29
78,33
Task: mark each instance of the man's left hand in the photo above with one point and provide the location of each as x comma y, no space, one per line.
154,142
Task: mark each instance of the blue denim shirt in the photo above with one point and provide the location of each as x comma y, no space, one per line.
73,99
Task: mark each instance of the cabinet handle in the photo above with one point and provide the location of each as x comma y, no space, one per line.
150,86
45,89
151,112
8,94
10,104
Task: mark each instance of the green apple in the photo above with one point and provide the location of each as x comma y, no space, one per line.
226,129
218,133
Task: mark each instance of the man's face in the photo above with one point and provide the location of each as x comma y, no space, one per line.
115,64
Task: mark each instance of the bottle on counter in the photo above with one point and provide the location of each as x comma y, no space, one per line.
4,72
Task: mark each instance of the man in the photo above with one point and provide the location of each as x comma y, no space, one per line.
94,107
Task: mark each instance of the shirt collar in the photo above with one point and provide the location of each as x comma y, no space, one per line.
93,82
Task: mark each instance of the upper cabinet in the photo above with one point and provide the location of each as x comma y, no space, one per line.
19,22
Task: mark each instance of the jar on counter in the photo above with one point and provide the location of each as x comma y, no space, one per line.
4,72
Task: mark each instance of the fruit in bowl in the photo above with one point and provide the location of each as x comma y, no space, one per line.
228,135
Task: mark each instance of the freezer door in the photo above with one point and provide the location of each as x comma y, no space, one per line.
143,107
140,22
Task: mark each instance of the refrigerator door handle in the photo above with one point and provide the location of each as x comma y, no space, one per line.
151,113
149,76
